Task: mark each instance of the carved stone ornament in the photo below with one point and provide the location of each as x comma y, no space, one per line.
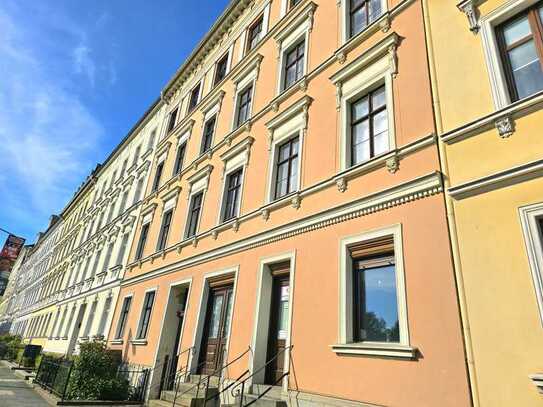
339,95
275,106
235,225
341,57
384,25
296,201
341,184
469,8
505,126
214,234
393,164
194,242
303,84
265,214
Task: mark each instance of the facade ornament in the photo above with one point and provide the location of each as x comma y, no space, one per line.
270,140
393,60
339,95
505,126
469,8
275,106
341,184
393,164
296,201
194,242
265,214
341,56
235,225
214,234
384,25
303,84
248,125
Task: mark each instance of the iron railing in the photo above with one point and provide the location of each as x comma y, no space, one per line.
137,378
53,375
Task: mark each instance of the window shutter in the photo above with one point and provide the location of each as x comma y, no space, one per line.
379,246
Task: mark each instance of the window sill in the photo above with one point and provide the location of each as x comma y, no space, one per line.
116,342
139,342
376,349
537,379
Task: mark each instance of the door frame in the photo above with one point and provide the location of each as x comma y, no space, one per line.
72,344
262,314
202,311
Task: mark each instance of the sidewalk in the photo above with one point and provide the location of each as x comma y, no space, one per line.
16,392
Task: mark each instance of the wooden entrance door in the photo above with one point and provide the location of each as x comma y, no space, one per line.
278,328
215,330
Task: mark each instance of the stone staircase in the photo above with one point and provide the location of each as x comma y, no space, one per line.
188,396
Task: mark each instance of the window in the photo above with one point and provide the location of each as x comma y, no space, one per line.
293,3
194,98
194,214
221,70
179,157
123,318
90,319
158,175
122,249
369,126
375,301
233,194
172,119
145,315
164,229
96,261
139,191
244,105
136,155
207,138
521,46
294,64
151,141
103,319
122,205
142,241
255,31
286,168
362,13
113,179
123,168
107,260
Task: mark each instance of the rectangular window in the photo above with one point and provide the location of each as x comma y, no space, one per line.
164,230
375,298
362,13
194,98
521,45
369,126
124,200
143,239
244,105
151,141
122,249
123,168
136,155
123,318
103,319
286,168
146,315
179,157
294,65
158,175
207,138
254,33
293,3
172,119
221,69
194,214
139,191
232,195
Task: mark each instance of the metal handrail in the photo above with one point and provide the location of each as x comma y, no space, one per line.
239,388
176,373
207,378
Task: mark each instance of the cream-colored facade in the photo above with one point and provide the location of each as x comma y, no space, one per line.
486,69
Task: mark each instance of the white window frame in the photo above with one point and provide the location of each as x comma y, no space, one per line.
189,95
529,215
120,338
265,14
287,44
241,86
488,23
228,53
345,316
364,74
345,6
143,341
201,179
222,201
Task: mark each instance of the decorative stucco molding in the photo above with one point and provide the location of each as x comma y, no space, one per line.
471,10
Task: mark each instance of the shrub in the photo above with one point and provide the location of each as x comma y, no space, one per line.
94,375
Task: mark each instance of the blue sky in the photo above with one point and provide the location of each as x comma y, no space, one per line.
74,77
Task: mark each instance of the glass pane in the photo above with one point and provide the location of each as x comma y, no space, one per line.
294,175
526,69
227,314
378,305
360,108
284,151
380,130
378,98
295,146
282,176
290,75
375,9
516,30
215,316
361,143
358,20
283,313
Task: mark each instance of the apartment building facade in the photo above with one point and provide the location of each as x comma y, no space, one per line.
488,114
295,220
99,228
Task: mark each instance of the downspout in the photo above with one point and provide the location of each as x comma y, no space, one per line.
449,207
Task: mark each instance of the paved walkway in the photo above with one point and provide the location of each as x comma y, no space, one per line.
16,392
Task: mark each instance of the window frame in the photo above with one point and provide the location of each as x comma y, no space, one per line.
164,232
158,175
249,45
531,218
226,59
226,190
178,163
248,87
193,101
346,303
144,308
142,241
205,135
173,115
293,48
288,140
123,316
187,232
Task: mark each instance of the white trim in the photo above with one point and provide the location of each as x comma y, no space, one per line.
285,46
488,23
533,240
344,7
222,202
202,311
345,316
261,321
131,295
136,339
242,86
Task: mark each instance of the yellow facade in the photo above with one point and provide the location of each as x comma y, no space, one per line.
492,156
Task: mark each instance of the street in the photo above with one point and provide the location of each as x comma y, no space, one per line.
16,392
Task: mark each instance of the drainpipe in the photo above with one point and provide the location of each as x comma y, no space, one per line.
457,264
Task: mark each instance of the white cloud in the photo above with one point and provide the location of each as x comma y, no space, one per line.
47,135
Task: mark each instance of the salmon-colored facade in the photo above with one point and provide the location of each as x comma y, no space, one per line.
331,208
